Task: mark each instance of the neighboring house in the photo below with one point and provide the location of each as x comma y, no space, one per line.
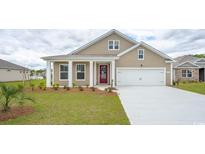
38,74
189,67
112,58
12,72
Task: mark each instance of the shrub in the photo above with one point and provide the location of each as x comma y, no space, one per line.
21,99
32,86
74,85
87,85
191,81
44,88
174,83
55,86
194,81
80,88
109,89
41,85
20,87
67,88
177,82
64,87
10,93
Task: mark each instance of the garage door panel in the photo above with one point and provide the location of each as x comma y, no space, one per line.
140,77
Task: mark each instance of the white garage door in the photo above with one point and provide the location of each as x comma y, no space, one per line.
137,76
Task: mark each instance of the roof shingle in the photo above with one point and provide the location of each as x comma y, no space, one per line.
7,65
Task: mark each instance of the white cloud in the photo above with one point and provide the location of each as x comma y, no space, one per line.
25,47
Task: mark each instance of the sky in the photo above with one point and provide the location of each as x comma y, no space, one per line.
26,47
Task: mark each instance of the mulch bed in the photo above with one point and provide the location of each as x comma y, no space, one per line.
16,112
72,90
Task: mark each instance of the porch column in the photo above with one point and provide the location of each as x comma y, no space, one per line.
95,75
91,73
52,72
70,73
48,74
113,73
171,73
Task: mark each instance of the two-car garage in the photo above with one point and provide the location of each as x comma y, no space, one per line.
141,76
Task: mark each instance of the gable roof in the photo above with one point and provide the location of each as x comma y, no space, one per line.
101,38
188,64
189,58
183,59
200,60
7,65
148,47
136,44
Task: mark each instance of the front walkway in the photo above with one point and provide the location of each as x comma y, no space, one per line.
102,87
162,105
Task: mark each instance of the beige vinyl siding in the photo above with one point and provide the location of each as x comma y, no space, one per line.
101,47
13,75
150,60
62,83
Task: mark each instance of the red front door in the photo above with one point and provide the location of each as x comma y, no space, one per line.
103,74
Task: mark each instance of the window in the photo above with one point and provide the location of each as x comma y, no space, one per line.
141,54
63,71
113,44
80,69
117,45
189,73
186,73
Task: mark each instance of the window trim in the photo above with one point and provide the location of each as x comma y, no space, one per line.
76,78
64,71
186,73
113,49
139,54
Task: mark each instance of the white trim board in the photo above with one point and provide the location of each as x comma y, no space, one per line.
80,58
134,68
178,66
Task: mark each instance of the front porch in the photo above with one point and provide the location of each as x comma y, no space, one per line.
80,73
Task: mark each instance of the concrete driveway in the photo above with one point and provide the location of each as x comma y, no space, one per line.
162,105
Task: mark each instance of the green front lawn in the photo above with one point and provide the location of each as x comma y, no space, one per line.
193,87
26,83
73,108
